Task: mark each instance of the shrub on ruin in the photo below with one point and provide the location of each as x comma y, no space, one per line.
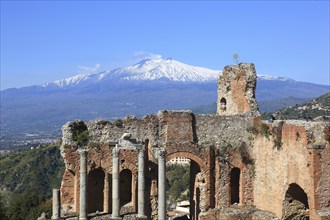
264,130
81,137
118,123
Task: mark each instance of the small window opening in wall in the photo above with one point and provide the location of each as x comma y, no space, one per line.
234,185
223,104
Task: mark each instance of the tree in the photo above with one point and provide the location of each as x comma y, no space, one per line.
235,58
3,210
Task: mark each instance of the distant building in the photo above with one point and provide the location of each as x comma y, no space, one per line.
180,161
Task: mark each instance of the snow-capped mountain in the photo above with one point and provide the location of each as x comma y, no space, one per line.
166,69
152,70
145,70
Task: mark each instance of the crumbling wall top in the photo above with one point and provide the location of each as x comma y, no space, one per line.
236,90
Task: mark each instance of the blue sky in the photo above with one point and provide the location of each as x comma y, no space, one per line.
42,41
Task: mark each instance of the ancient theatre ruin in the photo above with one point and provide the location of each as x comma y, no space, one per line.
241,166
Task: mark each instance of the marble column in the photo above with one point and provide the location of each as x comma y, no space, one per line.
161,185
141,183
56,205
83,185
115,184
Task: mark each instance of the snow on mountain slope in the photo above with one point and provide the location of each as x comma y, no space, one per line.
151,69
148,69
267,77
78,79
166,68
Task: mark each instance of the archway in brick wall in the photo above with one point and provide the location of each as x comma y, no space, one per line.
235,174
197,181
125,187
295,204
95,188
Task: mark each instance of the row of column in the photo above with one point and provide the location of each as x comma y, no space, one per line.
115,187
116,179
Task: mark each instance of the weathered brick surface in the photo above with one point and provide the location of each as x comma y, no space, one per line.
292,162
237,87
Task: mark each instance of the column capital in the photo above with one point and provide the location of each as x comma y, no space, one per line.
161,153
115,151
140,149
82,152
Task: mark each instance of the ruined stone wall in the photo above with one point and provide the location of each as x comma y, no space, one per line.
236,90
200,138
223,130
281,160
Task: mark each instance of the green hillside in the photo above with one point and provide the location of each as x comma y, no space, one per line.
27,178
309,110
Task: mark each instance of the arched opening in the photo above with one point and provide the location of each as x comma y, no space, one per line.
223,104
295,204
234,185
125,187
95,189
185,184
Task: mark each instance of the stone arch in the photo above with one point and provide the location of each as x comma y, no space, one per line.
235,174
223,104
198,182
295,204
201,163
95,190
125,187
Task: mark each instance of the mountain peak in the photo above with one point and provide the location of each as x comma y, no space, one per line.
172,70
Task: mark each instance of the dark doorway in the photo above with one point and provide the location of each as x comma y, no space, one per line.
234,185
125,187
95,190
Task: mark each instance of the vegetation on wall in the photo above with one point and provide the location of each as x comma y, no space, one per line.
264,130
277,135
81,137
80,133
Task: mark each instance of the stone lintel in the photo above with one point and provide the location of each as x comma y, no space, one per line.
315,146
113,143
130,147
141,217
